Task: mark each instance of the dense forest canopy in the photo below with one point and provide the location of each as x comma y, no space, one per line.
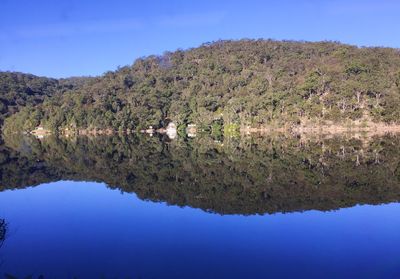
18,90
230,83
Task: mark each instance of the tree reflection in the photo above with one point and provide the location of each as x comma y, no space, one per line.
255,175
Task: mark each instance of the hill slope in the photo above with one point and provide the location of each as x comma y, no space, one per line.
234,83
19,90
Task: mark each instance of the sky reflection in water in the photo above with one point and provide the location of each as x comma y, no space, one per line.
83,229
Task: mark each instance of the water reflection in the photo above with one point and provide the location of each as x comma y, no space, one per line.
3,231
85,230
75,223
254,175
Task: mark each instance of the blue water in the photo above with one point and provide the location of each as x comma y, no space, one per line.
85,230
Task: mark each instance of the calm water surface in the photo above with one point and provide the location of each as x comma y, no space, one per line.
156,216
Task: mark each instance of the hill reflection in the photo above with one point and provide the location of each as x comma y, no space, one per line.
254,175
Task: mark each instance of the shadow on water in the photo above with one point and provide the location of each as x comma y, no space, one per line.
3,231
3,234
254,175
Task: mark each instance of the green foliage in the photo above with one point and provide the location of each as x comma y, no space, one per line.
397,80
248,82
18,90
181,130
231,129
356,69
217,128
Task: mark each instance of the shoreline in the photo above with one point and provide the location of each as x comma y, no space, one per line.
353,127
334,129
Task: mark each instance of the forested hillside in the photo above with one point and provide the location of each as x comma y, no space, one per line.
233,83
19,90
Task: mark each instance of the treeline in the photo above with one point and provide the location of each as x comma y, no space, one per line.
252,176
234,83
19,90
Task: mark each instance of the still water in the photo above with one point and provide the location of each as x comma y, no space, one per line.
204,208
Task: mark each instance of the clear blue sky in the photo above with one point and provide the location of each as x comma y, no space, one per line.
71,37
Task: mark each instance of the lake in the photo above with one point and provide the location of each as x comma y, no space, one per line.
277,206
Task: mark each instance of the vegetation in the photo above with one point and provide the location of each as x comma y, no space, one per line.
234,83
18,90
248,176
